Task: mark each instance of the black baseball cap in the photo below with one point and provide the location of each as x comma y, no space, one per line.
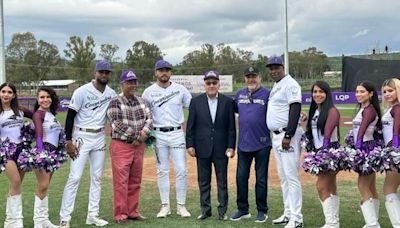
251,71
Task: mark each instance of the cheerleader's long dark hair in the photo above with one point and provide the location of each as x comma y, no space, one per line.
323,111
14,101
54,99
374,101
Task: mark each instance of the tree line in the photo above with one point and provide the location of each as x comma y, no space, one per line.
29,60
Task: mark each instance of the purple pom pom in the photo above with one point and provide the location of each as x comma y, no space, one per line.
51,157
334,158
349,139
366,161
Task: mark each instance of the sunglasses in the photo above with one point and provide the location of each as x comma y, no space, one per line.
212,83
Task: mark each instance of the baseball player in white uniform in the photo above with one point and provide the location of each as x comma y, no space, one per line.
167,100
84,129
284,107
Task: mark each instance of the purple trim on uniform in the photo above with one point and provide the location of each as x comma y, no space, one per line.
253,131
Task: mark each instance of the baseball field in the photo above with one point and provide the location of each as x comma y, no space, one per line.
350,214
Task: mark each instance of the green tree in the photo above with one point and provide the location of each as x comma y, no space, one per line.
41,59
107,51
309,63
199,61
29,60
16,68
233,61
141,57
81,55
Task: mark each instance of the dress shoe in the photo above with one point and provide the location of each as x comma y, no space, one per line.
121,221
138,218
223,217
203,216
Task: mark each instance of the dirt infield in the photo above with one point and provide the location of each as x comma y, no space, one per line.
149,173
149,169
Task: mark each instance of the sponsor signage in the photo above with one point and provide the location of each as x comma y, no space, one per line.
338,98
195,83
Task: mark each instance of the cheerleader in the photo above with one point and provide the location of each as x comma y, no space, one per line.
368,151
12,146
323,148
391,130
49,152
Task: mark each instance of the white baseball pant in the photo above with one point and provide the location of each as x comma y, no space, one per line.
92,148
288,163
171,145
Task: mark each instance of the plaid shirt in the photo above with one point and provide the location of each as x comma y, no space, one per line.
128,117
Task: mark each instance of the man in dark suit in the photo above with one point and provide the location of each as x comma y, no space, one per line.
211,138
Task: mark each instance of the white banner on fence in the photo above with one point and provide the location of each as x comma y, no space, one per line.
195,83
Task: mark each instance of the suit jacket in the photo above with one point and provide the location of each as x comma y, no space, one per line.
211,138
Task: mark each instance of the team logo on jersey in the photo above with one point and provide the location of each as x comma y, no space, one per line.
13,117
294,90
98,103
92,98
165,99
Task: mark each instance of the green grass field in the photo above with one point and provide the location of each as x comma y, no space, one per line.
350,215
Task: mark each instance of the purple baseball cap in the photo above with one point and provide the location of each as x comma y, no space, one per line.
162,64
127,75
211,74
274,60
103,65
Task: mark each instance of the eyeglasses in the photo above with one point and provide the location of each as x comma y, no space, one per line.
104,72
212,83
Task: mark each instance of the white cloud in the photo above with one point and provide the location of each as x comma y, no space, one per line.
361,33
180,26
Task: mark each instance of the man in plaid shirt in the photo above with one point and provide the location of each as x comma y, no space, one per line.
131,121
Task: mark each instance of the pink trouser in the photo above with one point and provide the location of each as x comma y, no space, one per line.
127,166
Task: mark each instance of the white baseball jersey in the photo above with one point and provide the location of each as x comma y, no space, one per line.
10,125
166,104
283,93
51,129
91,106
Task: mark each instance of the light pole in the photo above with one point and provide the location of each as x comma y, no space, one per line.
286,52
2,56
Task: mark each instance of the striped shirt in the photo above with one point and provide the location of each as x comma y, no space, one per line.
128,117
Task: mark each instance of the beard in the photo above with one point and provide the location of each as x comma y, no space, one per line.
102,81
163,78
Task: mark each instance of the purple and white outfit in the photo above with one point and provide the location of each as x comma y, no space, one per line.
14,139
366,158
50,151
391,129
324,152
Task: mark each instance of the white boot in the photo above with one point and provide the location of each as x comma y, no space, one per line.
369,212
330,207
376,204
41,213
14,218
392,205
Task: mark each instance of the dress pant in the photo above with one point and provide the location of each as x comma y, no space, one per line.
204,179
